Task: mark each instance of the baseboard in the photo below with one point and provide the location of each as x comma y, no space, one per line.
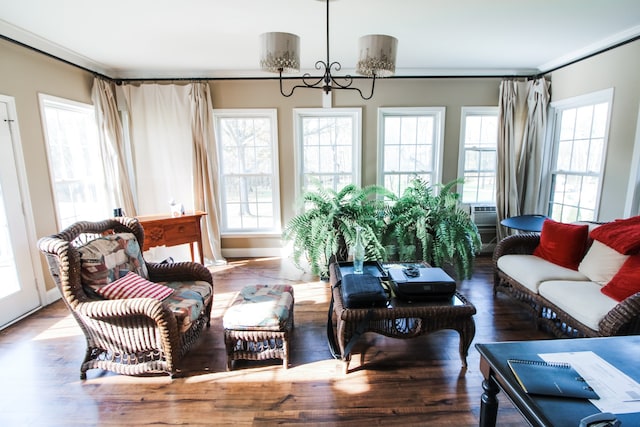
52,295
255,252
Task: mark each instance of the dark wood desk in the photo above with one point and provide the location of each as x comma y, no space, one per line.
168,230
621,352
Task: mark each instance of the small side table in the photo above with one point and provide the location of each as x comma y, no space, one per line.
170,230
531,223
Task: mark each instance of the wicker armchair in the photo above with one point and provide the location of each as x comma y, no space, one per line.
128,336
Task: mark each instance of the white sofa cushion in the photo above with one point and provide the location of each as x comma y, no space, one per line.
601,263
579,299
530,270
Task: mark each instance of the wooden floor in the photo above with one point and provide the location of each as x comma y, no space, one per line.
402,382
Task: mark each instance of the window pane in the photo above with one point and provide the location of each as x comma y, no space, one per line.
409,145
579,160
595,155
568,124
247,150
327,147
480,132
583,122
75,161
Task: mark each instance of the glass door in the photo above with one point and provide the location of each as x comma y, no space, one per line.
18,289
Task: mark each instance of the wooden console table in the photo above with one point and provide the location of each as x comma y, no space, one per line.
168,230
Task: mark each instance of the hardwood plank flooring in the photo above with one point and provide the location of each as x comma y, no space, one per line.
402,382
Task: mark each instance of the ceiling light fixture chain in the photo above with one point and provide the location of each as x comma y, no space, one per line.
376,59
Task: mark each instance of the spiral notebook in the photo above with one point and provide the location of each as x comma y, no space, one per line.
550,379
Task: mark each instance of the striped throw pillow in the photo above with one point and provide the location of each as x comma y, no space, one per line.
133,286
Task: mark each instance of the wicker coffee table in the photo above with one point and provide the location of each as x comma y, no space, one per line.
402,319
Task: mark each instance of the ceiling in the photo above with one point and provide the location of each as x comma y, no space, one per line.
131,39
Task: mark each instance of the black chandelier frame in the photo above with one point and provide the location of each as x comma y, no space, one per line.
327,82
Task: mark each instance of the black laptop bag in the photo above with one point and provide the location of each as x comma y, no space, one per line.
362,291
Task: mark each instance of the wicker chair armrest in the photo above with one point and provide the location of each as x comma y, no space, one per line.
623,319
521,244
179,271
123,308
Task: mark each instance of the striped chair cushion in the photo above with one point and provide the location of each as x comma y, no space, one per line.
134,286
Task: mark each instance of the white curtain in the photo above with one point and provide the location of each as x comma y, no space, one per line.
171,131
161,146
113,145
205,166
522,121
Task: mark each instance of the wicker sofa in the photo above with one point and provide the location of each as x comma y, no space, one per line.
565,301
127,334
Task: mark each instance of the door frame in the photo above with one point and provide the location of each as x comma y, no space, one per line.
45,297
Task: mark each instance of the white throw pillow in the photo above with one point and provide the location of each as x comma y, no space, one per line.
601,263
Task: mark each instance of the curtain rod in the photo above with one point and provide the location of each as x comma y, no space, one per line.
197,79
423,77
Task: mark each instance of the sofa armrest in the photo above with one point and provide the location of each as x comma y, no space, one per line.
521,244
623,319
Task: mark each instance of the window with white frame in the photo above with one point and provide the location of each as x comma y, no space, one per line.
478,154
328,147
248,173
580,127
410,144
75,160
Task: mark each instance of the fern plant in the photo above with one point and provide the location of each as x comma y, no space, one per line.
326,228
432,227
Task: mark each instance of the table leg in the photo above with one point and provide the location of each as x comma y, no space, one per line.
191,250
489,403
467,332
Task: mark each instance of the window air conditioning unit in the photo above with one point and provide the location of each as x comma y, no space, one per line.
484,215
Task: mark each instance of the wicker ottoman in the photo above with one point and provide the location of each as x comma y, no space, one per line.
258,322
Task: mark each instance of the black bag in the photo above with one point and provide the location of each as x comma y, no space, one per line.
362,291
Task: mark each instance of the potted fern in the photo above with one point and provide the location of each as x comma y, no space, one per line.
422,225
326,228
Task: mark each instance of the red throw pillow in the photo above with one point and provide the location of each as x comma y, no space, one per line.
133,286
562,244
626,282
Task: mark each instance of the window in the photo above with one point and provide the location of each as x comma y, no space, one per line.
248,183
328,146
75,160
410,144
478,161
579,128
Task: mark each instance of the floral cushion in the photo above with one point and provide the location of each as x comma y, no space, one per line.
261,307
187,301
108,258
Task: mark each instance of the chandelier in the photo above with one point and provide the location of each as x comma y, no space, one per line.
377,59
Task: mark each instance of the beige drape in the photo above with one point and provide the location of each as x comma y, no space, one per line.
532,150
113,146
522,120
175,155
205,168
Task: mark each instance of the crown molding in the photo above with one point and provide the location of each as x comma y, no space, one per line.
35,42
592,49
